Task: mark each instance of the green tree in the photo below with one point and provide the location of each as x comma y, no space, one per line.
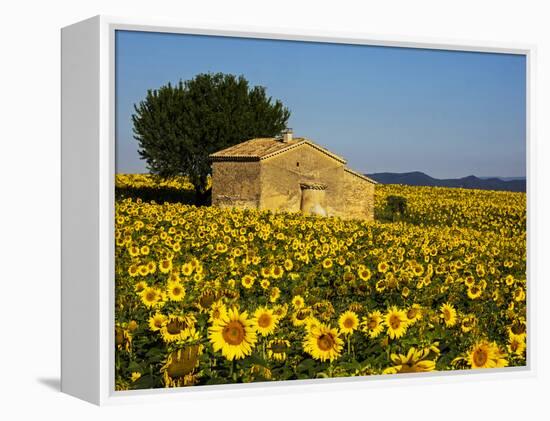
177,127
396,206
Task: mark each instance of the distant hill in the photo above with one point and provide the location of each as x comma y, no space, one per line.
418,178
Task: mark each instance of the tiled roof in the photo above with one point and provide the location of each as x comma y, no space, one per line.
265,147
364,177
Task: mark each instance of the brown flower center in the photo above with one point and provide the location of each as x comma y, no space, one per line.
518,328
207,300
233,333
480,357
175,326
278,347
183,361
395,321
264,320
411,314
302,315
348,323
372,323
325,342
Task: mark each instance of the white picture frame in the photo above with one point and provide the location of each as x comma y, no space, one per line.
88,170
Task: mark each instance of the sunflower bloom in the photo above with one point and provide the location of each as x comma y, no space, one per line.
323,343
348,322
396,322
234,335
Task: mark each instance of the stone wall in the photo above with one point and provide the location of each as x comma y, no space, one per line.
358,197
236,184
281,176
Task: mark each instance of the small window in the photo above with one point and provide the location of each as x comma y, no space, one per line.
297,164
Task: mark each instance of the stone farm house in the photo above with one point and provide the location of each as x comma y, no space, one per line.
289,174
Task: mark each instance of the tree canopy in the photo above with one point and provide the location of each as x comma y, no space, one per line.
178,127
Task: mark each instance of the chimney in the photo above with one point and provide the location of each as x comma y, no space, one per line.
287,135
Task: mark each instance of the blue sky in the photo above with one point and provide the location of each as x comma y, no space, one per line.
446,113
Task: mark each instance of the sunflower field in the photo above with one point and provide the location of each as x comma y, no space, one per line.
210,296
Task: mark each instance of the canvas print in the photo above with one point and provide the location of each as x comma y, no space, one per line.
292,210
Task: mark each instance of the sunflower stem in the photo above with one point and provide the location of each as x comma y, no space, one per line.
233,373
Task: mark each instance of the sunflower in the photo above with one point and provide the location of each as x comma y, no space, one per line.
348,322
383,267
416,361
206,299
519,294
323,343
277,349
123,338
311,322
299,317
143,271
234,335
486,355
277,272
151,267
165,266
288,265
474,292
469,281
187,269
135,376
140,286
518,328
414,314
133,271
217,311
373,324
178,328
179,366
418,270
221,248
274,294
280,311
448,314
364,273
247,281
150,297
156,321
327,263
348,277
396,322
175,291
468,322
298,302
265,321
381,285
265,283
516,344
